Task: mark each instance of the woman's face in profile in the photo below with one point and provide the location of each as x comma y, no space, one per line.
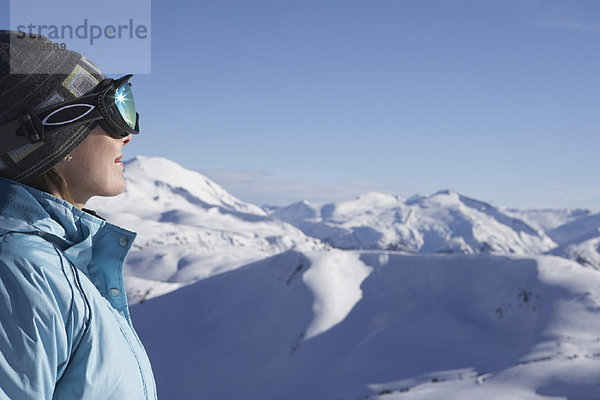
96,168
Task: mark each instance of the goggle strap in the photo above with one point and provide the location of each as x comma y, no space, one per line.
75,112
30,129
19,132
85,99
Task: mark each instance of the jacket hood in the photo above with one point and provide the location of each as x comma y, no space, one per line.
24,209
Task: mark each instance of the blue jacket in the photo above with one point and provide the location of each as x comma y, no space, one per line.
65,331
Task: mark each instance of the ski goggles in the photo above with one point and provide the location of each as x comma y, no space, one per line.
110,103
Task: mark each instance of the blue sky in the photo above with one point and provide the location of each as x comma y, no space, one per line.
323,100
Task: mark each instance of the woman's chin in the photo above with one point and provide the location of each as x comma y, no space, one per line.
114,190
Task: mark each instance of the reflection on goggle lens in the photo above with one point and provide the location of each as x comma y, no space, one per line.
125,104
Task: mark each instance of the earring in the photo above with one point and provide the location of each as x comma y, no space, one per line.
68,158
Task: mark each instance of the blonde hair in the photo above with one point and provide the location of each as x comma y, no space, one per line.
52,182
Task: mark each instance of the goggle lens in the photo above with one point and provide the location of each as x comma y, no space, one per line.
126,104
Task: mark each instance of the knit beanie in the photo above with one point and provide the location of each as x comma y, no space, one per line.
36,73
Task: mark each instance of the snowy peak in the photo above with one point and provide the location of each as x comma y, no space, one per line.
377,199
450,199
167,182
369,203
297,211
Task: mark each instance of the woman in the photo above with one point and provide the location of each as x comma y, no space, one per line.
65,330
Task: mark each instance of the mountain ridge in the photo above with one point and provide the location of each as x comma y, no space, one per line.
443,222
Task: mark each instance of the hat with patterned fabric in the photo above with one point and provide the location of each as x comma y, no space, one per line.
35,73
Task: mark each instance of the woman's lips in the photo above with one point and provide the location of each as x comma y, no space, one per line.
118,160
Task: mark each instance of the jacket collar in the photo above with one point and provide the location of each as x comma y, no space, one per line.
25,209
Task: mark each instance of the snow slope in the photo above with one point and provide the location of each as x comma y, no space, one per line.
189,228
445,222
389,326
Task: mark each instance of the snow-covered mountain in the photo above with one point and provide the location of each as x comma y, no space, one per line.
445,222
579,240
549,219
189,228
269,312
352,325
